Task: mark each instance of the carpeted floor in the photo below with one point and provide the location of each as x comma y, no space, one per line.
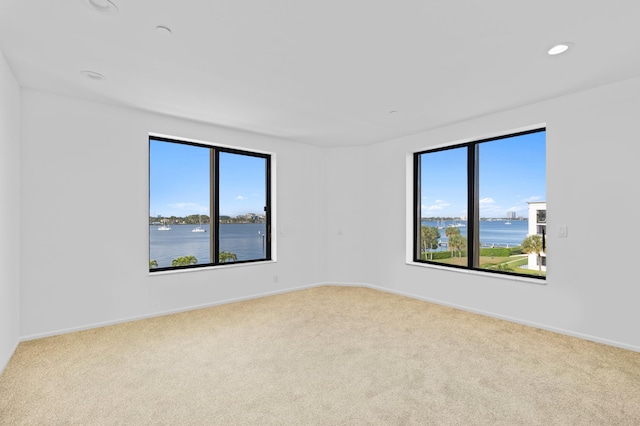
322,356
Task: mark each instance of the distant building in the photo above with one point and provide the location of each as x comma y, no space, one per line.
537,226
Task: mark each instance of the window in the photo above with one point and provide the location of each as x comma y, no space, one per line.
208,205
479,205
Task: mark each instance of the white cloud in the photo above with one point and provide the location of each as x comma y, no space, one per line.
486,201
190,208
240,197
439,205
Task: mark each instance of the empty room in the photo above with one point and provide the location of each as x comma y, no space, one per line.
322,213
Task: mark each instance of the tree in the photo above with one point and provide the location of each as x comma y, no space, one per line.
457,243
533,244
153,264
451,232
227,256
429,236
184,261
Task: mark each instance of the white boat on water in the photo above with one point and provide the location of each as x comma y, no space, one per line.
507,223
199,228
164,226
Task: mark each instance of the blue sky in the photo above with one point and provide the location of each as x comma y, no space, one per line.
511,173
179,181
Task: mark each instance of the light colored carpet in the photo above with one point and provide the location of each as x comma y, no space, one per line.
322,356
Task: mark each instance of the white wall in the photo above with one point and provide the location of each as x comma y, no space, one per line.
345,210
85,215
9,212
341,218
592,187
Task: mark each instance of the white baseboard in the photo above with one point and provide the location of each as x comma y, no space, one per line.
347,284
512,319
163,313
343,284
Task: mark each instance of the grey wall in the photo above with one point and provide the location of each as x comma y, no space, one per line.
9,212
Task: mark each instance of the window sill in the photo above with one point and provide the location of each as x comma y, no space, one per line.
210,268
480,273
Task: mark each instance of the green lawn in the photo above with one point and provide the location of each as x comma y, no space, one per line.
488,262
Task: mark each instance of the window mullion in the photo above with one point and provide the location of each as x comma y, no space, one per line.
473,209
267,208
417,211
214,216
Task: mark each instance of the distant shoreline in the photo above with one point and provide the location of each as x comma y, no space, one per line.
207,223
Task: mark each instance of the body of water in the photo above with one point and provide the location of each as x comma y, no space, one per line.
245,240
499,233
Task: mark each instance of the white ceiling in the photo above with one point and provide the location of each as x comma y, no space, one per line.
324,72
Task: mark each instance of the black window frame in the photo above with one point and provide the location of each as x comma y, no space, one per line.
214,214
473,205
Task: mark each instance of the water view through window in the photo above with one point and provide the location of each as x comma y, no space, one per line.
207,205
478,205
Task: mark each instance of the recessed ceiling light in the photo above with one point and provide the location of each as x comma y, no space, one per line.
560,48
93,76
104,7
161,29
